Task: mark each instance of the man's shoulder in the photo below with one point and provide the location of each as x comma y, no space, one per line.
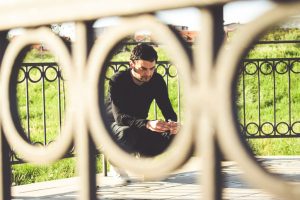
157,77
120,75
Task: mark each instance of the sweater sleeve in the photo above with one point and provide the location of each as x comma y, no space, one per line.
123,119
163,101
116,92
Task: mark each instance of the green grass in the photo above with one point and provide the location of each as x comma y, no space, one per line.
280,146
65,168
275,146
39,56
35,102
27,173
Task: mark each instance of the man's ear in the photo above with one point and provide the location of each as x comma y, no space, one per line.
131,64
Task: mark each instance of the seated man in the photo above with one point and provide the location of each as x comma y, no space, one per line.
131,93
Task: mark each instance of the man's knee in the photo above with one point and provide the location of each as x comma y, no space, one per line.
154,143
125,136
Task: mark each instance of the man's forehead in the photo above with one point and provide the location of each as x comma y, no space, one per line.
146,62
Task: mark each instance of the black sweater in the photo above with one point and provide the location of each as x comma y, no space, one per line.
130,103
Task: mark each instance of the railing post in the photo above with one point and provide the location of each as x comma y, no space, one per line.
86,162
211,41
218,38
104,165
5,165
5,169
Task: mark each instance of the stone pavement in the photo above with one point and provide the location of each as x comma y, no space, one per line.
182,185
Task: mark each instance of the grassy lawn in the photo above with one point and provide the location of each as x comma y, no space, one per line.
65,168
27,173
277,146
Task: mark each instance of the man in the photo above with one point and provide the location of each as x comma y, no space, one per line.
131,93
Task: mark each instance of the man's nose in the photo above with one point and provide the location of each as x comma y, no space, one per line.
148,72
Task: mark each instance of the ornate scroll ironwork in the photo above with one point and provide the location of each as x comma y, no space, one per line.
211,122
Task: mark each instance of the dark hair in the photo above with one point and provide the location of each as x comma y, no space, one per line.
143,52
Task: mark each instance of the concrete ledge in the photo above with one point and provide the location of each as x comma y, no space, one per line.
182,184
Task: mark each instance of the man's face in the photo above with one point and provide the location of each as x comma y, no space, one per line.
142,70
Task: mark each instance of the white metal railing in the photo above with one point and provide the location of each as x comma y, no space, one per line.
210,117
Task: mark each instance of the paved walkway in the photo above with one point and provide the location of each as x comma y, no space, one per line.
180,185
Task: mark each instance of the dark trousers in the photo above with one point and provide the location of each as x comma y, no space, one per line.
140,140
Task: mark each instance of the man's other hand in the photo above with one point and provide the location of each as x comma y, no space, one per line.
174,127
162,126
158,126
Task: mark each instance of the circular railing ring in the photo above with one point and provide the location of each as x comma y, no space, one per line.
248,127
47,76
265,125
277,127
161,69
293,127
170,66
40,75
20,80
179,150
286,67
227,132
248,65
267,72
293,66
11,124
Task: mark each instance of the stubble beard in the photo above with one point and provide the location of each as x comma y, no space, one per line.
140,79
145,78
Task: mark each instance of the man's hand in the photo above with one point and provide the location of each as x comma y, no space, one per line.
162,126
158,126
174,127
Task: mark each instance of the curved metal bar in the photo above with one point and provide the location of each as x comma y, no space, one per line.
292,68
293,125
282,125
249,65
228,133
248,127
24,76
49,79
266,68
162,69
266,125
31,79
279,64
170,71
151,168
25,150
210,90
26,15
